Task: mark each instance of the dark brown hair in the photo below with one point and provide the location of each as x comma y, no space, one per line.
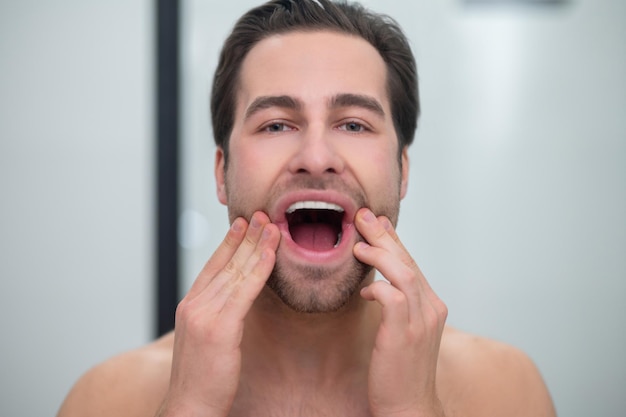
282,16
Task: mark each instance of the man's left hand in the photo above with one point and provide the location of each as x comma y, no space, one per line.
403,366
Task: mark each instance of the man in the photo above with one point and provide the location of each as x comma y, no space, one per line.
314,105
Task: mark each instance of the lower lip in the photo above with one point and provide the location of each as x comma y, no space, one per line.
335,255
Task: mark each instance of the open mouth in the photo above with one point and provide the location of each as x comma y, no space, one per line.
315,225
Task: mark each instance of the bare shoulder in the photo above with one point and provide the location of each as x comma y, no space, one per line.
483,377
130,384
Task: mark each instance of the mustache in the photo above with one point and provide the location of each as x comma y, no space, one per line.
237,206
316,183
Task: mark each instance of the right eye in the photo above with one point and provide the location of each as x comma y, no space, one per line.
276,127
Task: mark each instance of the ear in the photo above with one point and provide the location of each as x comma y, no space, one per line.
220,175
404,184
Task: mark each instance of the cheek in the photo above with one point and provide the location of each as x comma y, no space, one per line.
249,174
378,170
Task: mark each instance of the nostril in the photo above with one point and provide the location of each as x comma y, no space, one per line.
306,171
316,156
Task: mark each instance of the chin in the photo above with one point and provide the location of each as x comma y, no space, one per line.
315,289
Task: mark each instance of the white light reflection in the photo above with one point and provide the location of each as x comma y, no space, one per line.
193,229
493,56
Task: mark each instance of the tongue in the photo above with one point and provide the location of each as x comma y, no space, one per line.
314,236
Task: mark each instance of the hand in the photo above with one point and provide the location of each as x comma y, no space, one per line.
404,360
209,320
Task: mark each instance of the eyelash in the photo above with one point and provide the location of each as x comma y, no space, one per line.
362,127
284,127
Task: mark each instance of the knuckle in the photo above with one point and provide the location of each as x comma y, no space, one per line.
406,277
436,316
231,268
249,240
410,262
442,309
399,299
182,309
194,322
187,316
380,233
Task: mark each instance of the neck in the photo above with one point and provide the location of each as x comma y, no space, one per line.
316,348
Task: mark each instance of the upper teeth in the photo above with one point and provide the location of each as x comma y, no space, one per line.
313,205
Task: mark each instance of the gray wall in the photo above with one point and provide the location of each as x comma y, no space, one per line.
76,187
516,208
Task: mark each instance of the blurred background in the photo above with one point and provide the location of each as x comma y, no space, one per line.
516,210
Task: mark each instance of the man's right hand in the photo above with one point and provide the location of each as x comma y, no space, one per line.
210,319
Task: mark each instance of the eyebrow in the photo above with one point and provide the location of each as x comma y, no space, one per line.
357,100
265,102
337,101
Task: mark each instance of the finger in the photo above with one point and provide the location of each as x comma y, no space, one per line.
380,233
399,275
377,232
221,256
388,226
257,271
418,308
233,271
235,297
407,279
395,308
254,236
386,253
228,298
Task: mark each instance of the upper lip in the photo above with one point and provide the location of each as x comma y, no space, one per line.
278,214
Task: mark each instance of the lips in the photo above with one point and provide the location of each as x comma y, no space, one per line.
317,226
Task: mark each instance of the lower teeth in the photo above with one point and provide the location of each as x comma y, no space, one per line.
338,240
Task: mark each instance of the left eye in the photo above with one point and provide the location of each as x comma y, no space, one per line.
354,127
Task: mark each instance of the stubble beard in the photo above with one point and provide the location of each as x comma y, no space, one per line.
315,289
311,289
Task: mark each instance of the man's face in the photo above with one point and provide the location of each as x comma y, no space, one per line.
313,141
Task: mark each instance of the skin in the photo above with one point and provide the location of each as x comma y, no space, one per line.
383,350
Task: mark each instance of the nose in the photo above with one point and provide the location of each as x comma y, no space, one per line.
316,154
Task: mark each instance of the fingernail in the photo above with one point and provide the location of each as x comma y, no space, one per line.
237,226
254,222
387,224
368,216
360,246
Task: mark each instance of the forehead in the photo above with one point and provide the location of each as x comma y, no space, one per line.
312,66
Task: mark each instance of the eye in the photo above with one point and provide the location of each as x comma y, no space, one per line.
353,127
276,127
